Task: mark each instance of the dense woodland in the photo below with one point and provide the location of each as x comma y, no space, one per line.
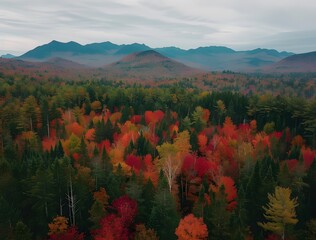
112,160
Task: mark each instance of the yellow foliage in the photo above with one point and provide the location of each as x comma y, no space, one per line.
280,211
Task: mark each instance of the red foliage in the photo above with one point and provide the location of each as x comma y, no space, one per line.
188,165
105,144
136,119
76,156
71,234
204,166
111,228
134,161
126,208
308,156
244,132
278,135
273,237
292,165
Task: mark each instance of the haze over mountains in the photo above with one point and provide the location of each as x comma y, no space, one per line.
169,60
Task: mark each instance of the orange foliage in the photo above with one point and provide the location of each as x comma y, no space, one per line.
192,228
206,114
150,171
261,137
101,196
229,129
48,144
202,141
297,141
90,134
153,117
59,225
230,190
74,128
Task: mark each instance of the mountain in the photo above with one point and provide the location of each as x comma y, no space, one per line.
211,58
222,58
8,56
93,55
305,62
149,64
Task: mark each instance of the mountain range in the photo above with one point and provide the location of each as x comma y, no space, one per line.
135,58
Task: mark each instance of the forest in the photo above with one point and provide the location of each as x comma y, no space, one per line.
104,159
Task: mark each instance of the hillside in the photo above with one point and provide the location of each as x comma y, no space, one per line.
149,64
305,62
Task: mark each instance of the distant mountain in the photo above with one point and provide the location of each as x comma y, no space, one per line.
305,62
149,64
222,58
211,58
8,56
132,48
93,55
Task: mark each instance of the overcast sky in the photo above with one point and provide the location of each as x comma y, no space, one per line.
239,24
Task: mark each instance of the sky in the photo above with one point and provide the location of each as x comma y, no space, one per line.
284,25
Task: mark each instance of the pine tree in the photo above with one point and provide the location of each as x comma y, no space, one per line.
164,217
21,231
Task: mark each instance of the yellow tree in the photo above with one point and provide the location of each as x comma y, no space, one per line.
280,211
172,155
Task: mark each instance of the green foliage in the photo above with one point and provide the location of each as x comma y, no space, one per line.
21,231
164,217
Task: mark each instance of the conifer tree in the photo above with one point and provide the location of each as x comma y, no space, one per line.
280,211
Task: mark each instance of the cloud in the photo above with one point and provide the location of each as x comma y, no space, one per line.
243,24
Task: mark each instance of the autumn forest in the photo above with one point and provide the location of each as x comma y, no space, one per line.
224,156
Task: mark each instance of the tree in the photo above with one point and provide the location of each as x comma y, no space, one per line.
98,209
59,230
111,228
191,228
172,155
280,211
21,231
58,225
143,233
311,230
164,216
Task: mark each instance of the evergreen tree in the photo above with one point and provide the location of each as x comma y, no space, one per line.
21,231
217,217
164,217
280,211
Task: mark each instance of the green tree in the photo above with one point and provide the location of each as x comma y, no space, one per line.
21,231
164,217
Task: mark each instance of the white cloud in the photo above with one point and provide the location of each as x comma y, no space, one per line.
242,24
